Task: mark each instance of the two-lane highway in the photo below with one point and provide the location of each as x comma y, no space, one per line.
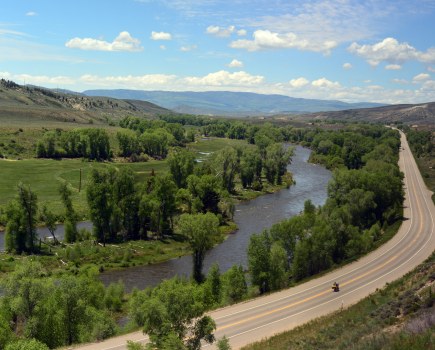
251,321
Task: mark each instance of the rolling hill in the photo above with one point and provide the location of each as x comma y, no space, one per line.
418,114
36,103
225,103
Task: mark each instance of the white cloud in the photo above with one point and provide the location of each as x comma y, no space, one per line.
299,82
129,81
123,42
219,31
31,14
224,78
265,39
325,83
161,36
239,81
242,32
188,48
393,67
235,64
421,78
431,69
162,47
391,51
347,66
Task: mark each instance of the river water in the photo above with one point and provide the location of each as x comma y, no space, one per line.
251,217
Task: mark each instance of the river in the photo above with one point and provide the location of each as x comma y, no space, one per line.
251,217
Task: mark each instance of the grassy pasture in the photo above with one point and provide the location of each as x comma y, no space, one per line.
45,175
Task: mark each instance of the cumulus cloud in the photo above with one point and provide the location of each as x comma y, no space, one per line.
241,81
325,83
299,82
123,42
347,66
391,51
235,64
224,78
265,39
220,32
242,32
393,67
161,36
31,14
421,78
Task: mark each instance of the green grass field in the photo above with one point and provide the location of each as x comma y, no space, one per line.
45,175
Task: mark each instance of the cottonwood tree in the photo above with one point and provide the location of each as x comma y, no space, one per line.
181,163
70,215
21,221
200,230
173,316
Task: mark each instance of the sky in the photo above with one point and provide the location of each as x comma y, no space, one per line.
348,50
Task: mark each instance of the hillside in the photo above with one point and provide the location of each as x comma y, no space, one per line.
36,103
419,114
225,103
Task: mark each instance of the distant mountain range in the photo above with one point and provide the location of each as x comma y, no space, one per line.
38,103
224,103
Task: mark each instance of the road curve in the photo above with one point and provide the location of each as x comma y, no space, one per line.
254,320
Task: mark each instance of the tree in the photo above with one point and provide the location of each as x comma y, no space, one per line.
181,163
276,161
70,214
259,260
214,284
278,267
200,230
21,222
235,286
250,166
24,293
170,312
223,343
226,165
128,143
50,222
100,202
126,203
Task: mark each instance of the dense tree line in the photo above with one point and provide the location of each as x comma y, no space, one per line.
421,141
365,195
91,143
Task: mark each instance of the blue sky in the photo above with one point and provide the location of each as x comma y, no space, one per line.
378,51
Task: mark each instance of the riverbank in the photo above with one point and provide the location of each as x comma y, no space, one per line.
85,255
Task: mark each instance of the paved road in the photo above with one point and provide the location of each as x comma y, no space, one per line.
251,321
